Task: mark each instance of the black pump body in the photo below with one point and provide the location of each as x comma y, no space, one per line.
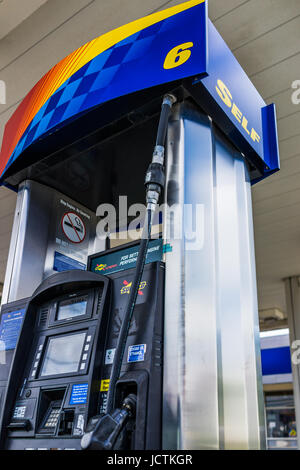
58,375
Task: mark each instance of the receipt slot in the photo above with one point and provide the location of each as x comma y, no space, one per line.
76,151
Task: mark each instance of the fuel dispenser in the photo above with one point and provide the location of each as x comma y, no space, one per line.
109,342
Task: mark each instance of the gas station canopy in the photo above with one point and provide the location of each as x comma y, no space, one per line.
102,81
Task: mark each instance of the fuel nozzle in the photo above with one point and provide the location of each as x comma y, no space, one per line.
155,176
109,431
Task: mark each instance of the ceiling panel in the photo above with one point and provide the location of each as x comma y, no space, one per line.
271,48
38,26
13,12
278,187
278,77
289,168
264,205
289,148
273,225
289,126
284,103
254,19
218,9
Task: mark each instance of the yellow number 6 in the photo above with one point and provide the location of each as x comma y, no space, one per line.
178,55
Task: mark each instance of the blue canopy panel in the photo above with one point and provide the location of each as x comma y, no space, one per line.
117,72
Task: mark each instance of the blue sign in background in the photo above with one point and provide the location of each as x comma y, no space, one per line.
10,327
276,361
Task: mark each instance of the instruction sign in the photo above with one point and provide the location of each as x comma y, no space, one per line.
71,230
104,385
65,263
79,394
10,328
136,353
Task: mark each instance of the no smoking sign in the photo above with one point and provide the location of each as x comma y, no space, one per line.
73,227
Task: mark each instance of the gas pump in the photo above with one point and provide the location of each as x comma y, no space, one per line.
114,343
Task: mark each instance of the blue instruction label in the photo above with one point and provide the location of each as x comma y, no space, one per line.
136,353
79,394
10,327
65,263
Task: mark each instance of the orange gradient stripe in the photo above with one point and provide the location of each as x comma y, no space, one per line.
61,72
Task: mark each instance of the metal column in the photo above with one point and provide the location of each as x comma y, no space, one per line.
292,293
213,397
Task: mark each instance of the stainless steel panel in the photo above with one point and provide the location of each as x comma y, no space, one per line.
212,378
37,235
174,284
25,267
237,302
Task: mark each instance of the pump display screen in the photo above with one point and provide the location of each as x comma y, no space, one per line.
71,308
63,354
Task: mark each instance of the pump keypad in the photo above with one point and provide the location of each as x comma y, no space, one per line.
52,419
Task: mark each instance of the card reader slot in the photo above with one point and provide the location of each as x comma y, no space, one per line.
19,425
49,410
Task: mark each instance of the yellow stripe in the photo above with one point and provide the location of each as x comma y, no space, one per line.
77,59
111,38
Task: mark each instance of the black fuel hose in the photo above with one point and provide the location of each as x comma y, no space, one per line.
163,124
122,339
154,184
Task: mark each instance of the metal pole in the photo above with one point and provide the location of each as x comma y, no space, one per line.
292,294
